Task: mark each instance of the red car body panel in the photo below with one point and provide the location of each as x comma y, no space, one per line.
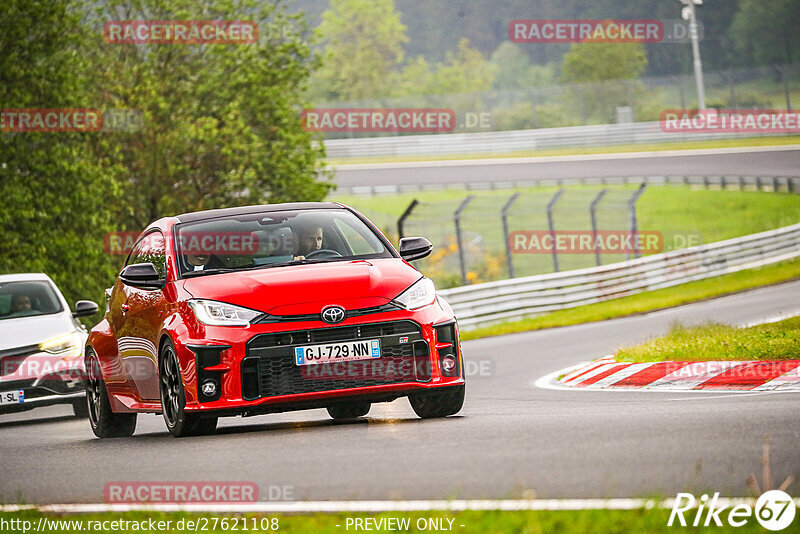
127,342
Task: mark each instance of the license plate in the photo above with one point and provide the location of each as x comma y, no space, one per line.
338,352
12,397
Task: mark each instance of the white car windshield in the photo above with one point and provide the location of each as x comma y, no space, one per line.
27,298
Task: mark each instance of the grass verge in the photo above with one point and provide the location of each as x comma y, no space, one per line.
649,301
683,145
481,522
713,341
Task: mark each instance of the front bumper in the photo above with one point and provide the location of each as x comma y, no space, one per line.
44,379
253,368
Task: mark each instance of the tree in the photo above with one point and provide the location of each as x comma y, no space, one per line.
54,190
514,69
766,32
363,42
604,77
221,121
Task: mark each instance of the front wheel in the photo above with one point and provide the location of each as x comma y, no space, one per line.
104,422
173,398
439,404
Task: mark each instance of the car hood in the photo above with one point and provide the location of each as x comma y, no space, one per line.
302,289
25,331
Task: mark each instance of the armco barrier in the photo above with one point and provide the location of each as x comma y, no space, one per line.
516,298
517,140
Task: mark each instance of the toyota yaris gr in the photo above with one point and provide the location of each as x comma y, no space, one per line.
41,345
264,309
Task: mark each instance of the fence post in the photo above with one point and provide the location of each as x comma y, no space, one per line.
551,225
401,221
633,222
593,213
459,237
504,216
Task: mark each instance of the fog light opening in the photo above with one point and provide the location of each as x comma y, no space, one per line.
449,364
209,388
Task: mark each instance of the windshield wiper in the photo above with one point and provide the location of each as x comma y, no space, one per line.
208,271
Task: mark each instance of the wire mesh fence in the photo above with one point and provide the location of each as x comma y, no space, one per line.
483,238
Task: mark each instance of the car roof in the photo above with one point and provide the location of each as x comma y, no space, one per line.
24,277
244,210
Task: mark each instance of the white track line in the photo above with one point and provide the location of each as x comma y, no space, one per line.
372,506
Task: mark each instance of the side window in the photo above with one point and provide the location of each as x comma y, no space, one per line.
150,249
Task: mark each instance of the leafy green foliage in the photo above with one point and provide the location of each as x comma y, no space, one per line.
363,49
54,190
221,122
766,32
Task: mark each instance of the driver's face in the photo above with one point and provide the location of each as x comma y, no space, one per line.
21,303
311,241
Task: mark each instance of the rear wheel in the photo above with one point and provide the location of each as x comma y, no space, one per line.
349,410
105,423
173,399
439,404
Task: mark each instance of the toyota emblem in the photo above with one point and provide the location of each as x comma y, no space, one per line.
333,314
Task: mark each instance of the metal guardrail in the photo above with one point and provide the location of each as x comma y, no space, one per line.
790,184
517,298
517,140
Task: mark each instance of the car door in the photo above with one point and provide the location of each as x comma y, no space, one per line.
139,319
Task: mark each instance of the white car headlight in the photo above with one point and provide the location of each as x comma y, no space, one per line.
421,293
67,345
215,313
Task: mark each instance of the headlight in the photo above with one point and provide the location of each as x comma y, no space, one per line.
215,313
67,345
421,293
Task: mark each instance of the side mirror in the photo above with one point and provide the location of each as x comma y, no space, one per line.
142,276
84,308
414,248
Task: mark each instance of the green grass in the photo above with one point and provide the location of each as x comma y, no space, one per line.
649,301
712,341
683,145
483,522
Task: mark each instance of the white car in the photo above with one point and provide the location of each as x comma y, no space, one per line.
41,345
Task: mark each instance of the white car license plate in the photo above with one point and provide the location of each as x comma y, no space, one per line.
12,397
338,352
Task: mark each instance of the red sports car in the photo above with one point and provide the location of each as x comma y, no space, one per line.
263,309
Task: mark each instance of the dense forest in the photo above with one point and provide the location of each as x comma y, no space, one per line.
737,33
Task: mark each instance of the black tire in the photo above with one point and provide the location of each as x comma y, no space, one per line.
80,407
173,398
349,410
439,404
104,422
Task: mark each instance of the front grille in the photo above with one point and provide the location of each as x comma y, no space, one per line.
269,368
11,359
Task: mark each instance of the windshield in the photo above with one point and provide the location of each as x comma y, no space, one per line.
27,299
273,239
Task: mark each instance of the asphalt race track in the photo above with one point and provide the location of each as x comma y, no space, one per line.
784,161
510,437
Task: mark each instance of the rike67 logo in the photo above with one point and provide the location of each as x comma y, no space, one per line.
774,510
